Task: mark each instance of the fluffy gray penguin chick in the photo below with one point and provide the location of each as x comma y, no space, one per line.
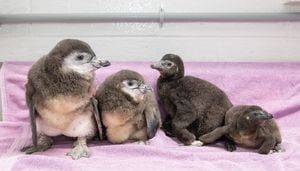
248,126
195,106
58,95
128,107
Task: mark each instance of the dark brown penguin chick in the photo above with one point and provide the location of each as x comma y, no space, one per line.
128,107
195,106
248,126
58,93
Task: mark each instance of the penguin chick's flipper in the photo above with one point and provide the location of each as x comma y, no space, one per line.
97,117
185,116
167,126
80,149
33,125
214,135
44,143
152,116
32,112
267,146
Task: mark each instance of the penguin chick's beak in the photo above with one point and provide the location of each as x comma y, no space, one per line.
104,63
157,66
145,88
263,115
97,62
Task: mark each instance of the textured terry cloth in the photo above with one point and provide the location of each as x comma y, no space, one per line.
0,98
274,86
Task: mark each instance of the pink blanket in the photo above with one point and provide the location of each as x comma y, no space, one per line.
274,86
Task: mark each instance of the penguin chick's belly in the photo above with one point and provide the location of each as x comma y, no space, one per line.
65,115
120,129
246,140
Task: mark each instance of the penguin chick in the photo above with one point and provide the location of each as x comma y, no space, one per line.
248,126
195,106
128,107
58,95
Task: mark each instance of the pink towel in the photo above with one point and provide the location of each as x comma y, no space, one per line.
274,86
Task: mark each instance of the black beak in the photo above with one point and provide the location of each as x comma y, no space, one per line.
263,115
104,63
145,88
157,66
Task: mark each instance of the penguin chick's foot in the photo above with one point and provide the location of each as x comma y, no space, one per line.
80,150
43,144
230,145
197,143
277,149
142,142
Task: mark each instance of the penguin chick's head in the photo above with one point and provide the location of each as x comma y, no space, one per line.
254,116
170,66
135,89
76,56
131,84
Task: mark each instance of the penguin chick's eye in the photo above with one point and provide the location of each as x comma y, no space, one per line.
167,63
255,114
132,84
79,57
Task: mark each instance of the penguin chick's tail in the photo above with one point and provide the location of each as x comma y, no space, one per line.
18,139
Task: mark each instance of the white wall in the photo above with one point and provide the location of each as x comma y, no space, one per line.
147,41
